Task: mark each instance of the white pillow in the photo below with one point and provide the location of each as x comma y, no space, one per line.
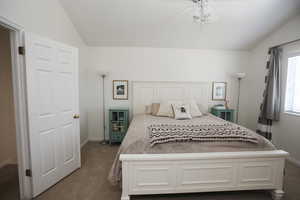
194,108
154,109
182,111
166,110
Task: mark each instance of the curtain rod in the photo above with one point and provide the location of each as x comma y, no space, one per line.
285,43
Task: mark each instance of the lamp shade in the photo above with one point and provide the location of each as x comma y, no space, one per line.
102,73
240,75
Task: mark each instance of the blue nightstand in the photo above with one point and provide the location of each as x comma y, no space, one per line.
226,114
118,124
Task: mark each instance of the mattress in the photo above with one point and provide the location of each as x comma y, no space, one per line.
137,142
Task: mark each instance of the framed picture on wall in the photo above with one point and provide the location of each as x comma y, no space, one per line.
219,91
120,89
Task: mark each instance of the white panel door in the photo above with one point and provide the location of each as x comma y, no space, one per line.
67,78
52,92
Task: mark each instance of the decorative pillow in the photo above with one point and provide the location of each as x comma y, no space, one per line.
166,110
182,111
194,108
154,108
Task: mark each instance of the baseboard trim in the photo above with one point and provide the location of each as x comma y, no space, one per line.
7,162
95,139
294,161
3,163
84,143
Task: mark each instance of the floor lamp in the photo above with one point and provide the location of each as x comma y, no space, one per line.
103,75
239,76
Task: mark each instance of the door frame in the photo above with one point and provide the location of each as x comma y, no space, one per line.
20,105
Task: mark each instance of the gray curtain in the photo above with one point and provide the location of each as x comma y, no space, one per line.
270,107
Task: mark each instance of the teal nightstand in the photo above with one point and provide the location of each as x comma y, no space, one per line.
226,114
118,124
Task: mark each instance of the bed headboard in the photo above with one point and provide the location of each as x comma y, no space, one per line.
147,92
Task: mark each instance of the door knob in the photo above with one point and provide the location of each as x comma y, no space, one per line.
76,116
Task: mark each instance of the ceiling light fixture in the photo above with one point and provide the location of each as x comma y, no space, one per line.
203,12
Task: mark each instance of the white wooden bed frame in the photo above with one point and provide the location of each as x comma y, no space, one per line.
196,172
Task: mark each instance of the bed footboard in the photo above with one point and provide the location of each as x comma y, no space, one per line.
144,174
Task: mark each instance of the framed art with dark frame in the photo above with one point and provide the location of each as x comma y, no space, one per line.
219,91
120,89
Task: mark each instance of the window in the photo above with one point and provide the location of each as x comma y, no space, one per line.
292,98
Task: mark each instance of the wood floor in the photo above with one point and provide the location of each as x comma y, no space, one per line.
90,182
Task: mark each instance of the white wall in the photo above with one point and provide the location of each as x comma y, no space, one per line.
47,18
156,64
286,133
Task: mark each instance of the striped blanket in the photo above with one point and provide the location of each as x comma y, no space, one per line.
226,132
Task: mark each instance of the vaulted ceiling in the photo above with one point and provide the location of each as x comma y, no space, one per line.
168,23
